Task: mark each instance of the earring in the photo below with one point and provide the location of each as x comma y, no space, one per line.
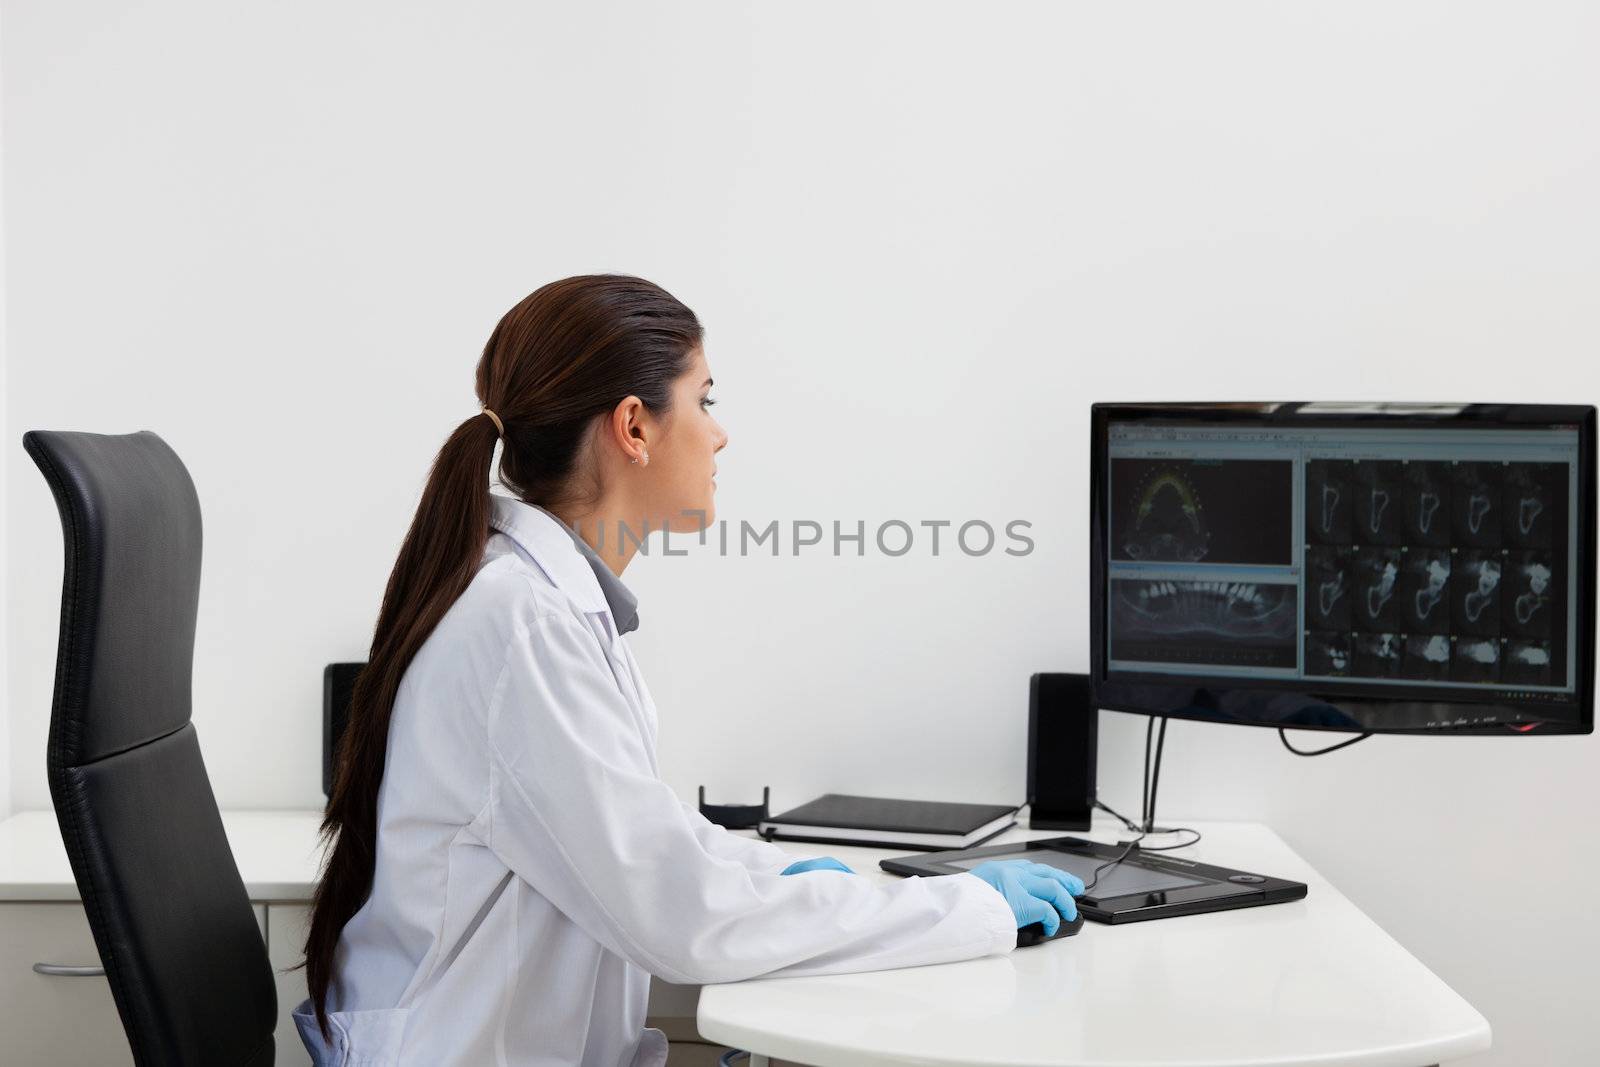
645,459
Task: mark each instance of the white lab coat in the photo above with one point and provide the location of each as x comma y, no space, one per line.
533,871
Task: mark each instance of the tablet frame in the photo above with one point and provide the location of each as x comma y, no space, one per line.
1217,894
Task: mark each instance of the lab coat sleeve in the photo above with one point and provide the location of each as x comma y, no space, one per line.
577,812
754,853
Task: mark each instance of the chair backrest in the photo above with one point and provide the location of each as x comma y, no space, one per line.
170,916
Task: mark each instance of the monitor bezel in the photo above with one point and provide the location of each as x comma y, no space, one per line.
1199,697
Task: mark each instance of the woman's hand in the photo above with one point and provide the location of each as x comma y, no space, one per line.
1035,891
820,863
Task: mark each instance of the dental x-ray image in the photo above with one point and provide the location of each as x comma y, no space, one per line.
1376,487
1427,658
1410,565
1530,594
1476,504
1203,511
1210,622
1425,503
1425,591
1532,491
1525,663
1475,580
1377,655
1330,507
1475,659
1376,589
1412,570
1328,653
1328,584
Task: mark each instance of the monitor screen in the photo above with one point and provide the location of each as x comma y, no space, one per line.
1358,567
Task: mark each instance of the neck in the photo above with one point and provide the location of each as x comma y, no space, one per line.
608,530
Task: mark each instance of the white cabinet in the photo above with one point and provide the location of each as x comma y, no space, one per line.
67,1020
59,1019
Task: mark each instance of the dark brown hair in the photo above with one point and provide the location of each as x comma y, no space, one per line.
570,351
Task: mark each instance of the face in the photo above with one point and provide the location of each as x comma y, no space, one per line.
679,482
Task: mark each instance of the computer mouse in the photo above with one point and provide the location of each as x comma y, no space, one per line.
1034,933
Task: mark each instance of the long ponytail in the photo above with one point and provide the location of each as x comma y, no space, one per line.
568,352
436,562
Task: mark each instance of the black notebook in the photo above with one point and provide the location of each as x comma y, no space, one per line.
846,820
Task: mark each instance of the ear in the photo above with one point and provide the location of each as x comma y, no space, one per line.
628,428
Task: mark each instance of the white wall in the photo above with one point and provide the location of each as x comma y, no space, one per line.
923,238
5,479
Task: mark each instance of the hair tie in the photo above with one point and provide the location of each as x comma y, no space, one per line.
499,426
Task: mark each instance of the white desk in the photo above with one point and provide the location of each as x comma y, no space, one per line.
277,853
1311,983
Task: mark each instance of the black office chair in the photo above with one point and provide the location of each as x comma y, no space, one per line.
169,913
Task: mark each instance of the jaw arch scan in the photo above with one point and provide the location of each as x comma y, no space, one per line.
1168,521
1226,610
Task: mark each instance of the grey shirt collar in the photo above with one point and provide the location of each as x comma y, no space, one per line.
619,598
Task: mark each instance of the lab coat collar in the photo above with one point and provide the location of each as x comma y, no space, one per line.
566,559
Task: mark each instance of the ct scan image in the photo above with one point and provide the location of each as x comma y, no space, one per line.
1476,504
1328,584
1526,663
1376,605
1436,571
1238,511
1425,503
1427,658
1204,622
1476,659
1425,591
1530,594
1330,507
1378,655
1376,488
1532,491
1328,653
1475,593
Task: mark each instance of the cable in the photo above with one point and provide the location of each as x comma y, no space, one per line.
1114,813
1090,884
1173,830
1144,789
1147,811
1318,751
1155,776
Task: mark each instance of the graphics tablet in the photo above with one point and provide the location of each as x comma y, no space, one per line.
1146,885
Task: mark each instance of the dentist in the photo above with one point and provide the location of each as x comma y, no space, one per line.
507,869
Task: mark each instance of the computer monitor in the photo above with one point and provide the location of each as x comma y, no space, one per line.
1407,568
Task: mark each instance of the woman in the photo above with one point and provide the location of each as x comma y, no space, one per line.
507,869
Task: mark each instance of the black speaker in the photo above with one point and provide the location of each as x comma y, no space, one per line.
338,685
1062,733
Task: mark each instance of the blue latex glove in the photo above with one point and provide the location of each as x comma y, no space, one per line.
1035,891
820,863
